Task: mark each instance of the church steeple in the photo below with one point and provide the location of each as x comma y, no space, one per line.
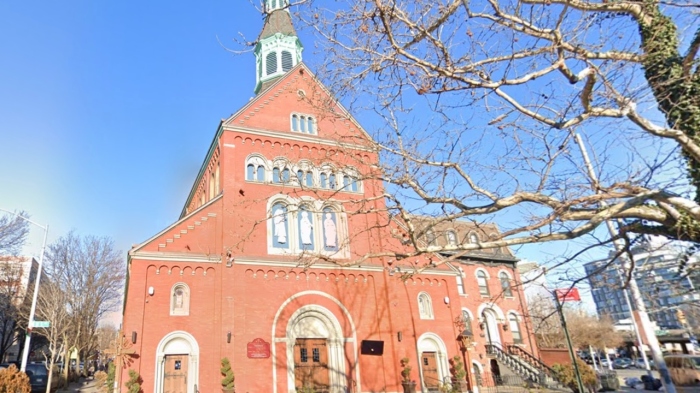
278,48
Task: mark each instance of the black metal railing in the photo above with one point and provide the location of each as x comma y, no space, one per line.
534,362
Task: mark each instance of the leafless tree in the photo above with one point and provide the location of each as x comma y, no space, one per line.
52,306
91,273
13,232
584,329
473,106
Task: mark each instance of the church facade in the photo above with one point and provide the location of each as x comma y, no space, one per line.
277,261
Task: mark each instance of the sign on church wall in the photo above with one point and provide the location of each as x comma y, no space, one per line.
258,349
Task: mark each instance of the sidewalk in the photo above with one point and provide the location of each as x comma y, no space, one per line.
85,385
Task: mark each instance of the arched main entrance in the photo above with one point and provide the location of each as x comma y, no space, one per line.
177,364
493,336
315,351
434,368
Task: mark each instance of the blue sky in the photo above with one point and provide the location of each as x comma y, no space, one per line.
107,109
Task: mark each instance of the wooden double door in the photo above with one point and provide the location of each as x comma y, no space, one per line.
175,373
311,364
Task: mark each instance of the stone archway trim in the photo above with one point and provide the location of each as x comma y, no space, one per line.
193,367
346,313
442,358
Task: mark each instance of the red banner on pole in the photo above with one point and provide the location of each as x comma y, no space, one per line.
568,295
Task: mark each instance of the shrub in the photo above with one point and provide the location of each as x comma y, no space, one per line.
227,382
458,371
406,372
134,383
567,375
111,375
14,381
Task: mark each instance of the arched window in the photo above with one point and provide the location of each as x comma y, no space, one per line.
287,62
280,227
431,238
505,284
285,175
451,238
302,124
473,238
295,122
212,185
482,282
276,175
324,180
467,321
330,230
254,170
309,179
310,127
425,306
515,328
180,299
217,179
306,229
271,63
331,182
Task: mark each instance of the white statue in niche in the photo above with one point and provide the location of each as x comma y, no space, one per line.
305,228
329,230
279,222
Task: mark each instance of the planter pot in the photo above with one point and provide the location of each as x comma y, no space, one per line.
224,390
409,387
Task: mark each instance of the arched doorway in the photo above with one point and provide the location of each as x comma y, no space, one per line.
490,319
177,363
434,368
315,351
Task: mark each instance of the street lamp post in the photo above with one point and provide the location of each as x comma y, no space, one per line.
30,323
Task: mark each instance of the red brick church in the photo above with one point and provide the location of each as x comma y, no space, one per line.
277,261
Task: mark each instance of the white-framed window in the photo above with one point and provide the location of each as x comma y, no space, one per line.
305,124
328,179
513,323
351,181
460,285
280,226
425,306
431,238
482,280
504,278
306,226
473,238
255,170
180,300
451,237
281,173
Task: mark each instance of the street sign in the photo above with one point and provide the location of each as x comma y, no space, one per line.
41,324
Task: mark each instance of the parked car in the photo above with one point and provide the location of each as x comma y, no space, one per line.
39,377
604,363
622,363
639,363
